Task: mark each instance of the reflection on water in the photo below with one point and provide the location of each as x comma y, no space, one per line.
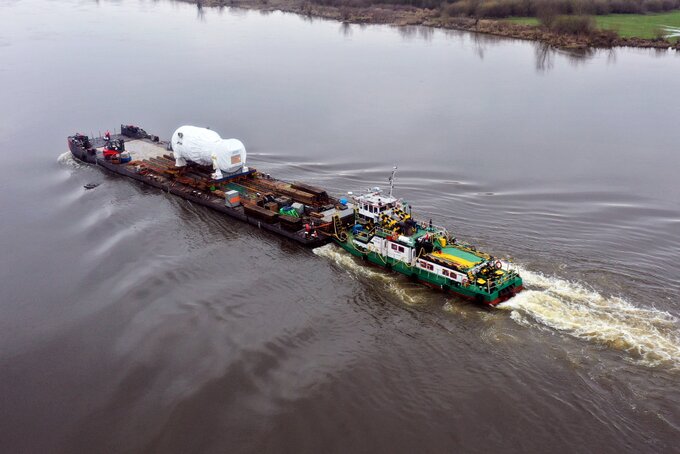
545,56
200,13
410,32
345,29
134,321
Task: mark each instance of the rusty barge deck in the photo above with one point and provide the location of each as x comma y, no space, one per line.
261,196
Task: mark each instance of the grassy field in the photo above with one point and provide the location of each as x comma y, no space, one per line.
627,25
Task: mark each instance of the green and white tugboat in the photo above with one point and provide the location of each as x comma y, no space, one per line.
383,232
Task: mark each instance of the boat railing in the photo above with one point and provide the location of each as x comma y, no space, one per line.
490,285
435,229
383,231
507,276
367,234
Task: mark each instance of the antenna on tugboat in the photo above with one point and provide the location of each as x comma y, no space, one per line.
391,179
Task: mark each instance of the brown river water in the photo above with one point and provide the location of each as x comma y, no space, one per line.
134,321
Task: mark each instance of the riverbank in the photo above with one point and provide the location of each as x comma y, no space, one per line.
399,15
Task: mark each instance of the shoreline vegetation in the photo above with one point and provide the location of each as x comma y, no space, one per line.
565,24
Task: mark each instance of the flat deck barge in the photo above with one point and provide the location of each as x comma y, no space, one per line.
261,200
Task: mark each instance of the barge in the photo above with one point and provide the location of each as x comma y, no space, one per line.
297,211
377,227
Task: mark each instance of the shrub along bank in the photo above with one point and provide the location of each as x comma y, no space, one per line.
562,23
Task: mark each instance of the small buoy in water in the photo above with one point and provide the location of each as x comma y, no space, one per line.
91,185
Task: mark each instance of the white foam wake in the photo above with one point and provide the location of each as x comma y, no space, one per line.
650,336
67,159
346,261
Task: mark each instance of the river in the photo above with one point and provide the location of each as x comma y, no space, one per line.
133,321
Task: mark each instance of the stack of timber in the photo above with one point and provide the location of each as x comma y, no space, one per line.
260,213
288,189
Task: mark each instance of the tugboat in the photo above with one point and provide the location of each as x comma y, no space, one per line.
385,234
199,166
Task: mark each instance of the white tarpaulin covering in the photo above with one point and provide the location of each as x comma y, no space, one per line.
204,146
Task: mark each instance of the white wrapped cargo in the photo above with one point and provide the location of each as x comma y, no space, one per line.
206,147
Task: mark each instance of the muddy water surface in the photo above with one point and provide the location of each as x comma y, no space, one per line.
132,321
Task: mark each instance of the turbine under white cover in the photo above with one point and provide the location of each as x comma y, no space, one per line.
206,147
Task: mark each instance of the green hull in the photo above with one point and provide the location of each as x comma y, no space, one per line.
481,294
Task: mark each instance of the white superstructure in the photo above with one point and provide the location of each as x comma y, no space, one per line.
374,203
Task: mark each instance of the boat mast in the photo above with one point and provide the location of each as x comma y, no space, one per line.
391,179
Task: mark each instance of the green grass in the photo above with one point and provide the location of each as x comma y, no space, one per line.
639,25
522,20
627,25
